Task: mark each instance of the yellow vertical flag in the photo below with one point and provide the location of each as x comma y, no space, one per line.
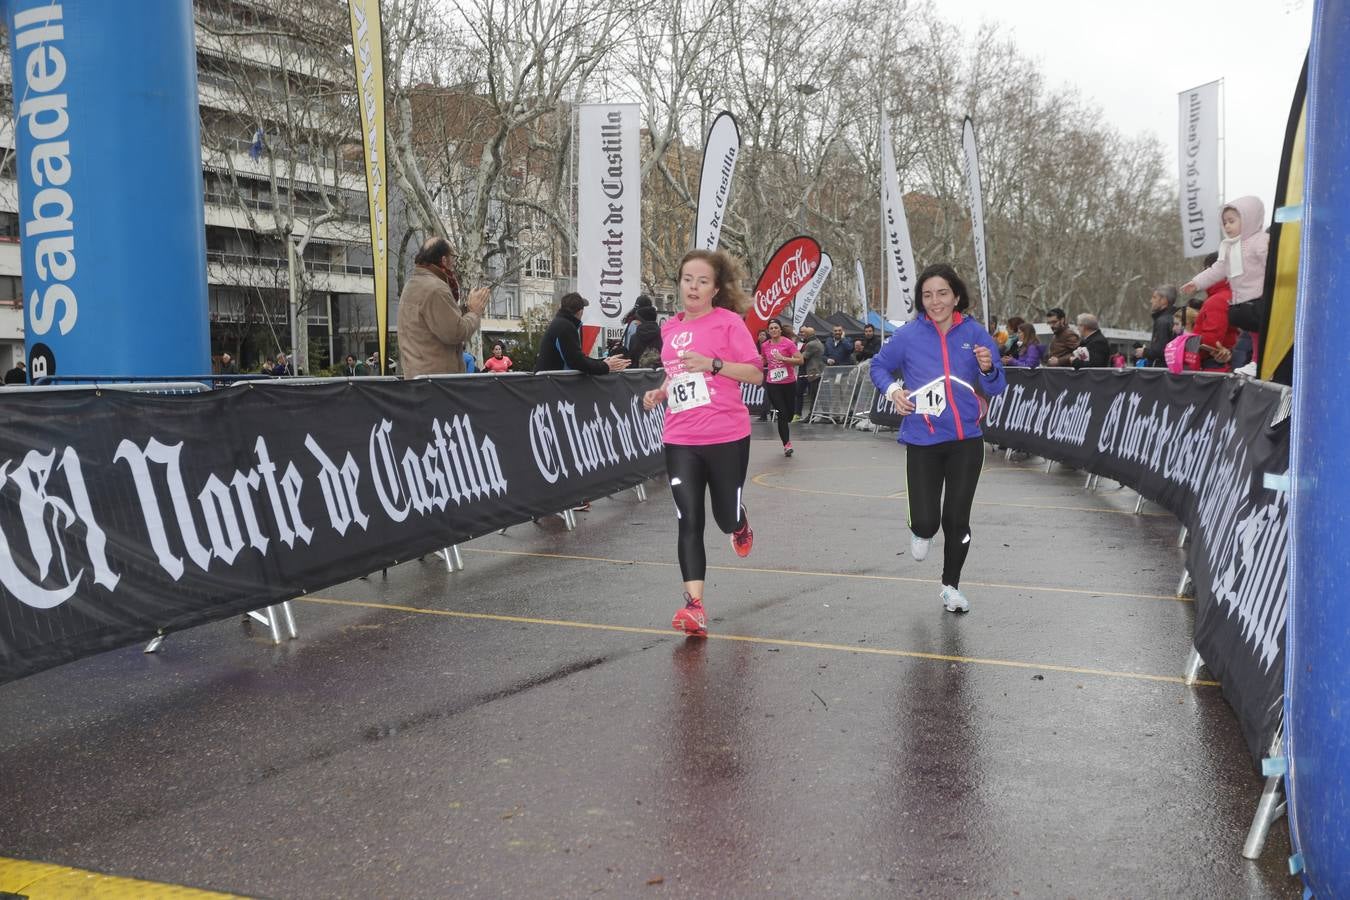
1281,289
368,53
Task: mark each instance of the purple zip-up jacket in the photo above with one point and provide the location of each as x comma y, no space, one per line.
927,360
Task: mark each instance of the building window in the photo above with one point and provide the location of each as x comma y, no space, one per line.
11,289
540,266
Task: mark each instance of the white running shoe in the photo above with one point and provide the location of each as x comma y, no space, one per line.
954,601
1249,370
918,547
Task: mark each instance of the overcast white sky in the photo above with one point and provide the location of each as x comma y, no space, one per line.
1132,59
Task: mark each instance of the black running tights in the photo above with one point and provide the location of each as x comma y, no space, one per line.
716,469
956,466
783,399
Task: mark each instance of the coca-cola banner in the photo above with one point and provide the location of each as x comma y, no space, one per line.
714,186
125,514
609,212
900,274
806,299
788,271
976,199
1200,447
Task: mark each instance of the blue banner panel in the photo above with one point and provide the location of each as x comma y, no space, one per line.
1317,740
110,187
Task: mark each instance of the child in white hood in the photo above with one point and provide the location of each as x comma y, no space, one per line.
1242,253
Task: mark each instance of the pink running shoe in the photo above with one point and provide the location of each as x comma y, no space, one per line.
690,618
742,539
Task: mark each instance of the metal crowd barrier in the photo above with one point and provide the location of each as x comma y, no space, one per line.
834,394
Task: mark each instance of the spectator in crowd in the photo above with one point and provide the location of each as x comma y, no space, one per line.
498,361
1162,304
1213,327
1000,335
18,374
644,347
432,328
1241,260
631,323
227,364
350,368
1063,341
1011,347
838,349
781,359
808,376
279,367
1093,351
1029,345
871,344
858,348
560,349
470,363
373,364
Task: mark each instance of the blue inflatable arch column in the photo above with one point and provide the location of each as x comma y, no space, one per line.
1317,681
110,187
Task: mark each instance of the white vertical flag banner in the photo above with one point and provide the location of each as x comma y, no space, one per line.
806,300
714,184
976,198
895,228
609,204
1198,168
862,288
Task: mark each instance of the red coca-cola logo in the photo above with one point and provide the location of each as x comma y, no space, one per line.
787,273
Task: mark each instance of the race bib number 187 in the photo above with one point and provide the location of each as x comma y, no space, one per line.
686,392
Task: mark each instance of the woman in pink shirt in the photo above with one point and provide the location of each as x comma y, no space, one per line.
498,361
781,359
707,353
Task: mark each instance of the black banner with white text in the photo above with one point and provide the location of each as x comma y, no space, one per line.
125,514
1201,447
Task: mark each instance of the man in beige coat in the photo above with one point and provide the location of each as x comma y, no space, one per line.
432,331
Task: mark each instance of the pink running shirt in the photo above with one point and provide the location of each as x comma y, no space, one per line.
785,347
719,334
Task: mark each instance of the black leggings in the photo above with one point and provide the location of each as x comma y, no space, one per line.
717,469
955,464
783,399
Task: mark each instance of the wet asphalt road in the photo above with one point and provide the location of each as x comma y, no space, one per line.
528,727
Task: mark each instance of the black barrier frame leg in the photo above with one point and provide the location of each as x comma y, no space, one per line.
1181,538
1139,505
1049,464
1271,805
289,616
641,491
155,643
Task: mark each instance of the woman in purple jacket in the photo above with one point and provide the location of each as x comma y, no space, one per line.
948,363
1030,348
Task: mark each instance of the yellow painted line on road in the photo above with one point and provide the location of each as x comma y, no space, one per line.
1034,588
45,881
775,642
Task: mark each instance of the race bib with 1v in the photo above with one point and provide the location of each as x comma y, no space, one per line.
931,399
687,391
